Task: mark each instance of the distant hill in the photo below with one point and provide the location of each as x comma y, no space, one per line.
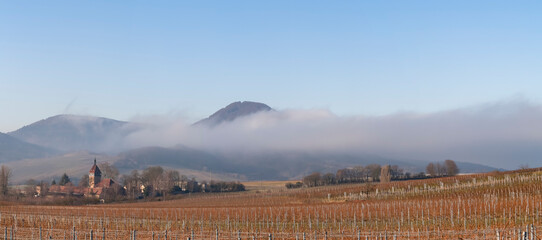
12,149
467,167
260,166
69,133
232,112
178,157
31,151
77,164
74,164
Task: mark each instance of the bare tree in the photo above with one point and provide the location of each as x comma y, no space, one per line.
373,171
108,170
451,168
396,172
152,177
312,180
5,175
431,170
172,177
385,174
329,179
183,180
30,188
132,183
345,175
358,174
441,169
43,188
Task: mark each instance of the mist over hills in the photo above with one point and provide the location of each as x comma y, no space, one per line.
175,157
68,133
249,140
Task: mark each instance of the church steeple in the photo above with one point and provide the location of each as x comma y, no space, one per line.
94,175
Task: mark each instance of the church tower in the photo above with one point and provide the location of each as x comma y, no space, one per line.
94,175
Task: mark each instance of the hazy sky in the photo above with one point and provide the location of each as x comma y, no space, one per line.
121,59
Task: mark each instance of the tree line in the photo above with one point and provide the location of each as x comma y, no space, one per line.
159,182
374,173
447,168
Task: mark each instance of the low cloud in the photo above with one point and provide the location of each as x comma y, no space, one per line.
501,134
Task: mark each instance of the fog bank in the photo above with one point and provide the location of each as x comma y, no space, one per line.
501,134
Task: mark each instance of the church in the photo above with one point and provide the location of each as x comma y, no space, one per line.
97,187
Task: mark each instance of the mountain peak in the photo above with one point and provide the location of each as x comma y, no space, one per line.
234,111
71,132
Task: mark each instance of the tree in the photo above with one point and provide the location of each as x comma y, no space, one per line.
151,175
441,169
396,172
431,170
385,174
132,183
358,174
64,179
373,171
183,180
193,186
172,178
5,175
30,188
451,168
312,180
344,175
108,170
294,185
43,189
83,182
329,179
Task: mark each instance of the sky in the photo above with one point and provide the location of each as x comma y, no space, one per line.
126,59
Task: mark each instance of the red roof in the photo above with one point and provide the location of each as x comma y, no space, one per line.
106,183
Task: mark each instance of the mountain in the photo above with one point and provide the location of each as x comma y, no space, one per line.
29,151
12,149
69,133
232,112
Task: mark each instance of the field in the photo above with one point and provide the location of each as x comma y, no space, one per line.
265,186
504,205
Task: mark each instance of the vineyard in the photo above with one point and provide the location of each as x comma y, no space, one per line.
499,205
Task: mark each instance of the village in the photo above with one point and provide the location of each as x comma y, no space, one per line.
153,182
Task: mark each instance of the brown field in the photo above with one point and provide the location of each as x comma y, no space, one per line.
505,205
264,186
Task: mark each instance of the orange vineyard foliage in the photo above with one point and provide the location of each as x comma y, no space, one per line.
496,204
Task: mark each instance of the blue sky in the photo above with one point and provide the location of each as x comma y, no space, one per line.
121,59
